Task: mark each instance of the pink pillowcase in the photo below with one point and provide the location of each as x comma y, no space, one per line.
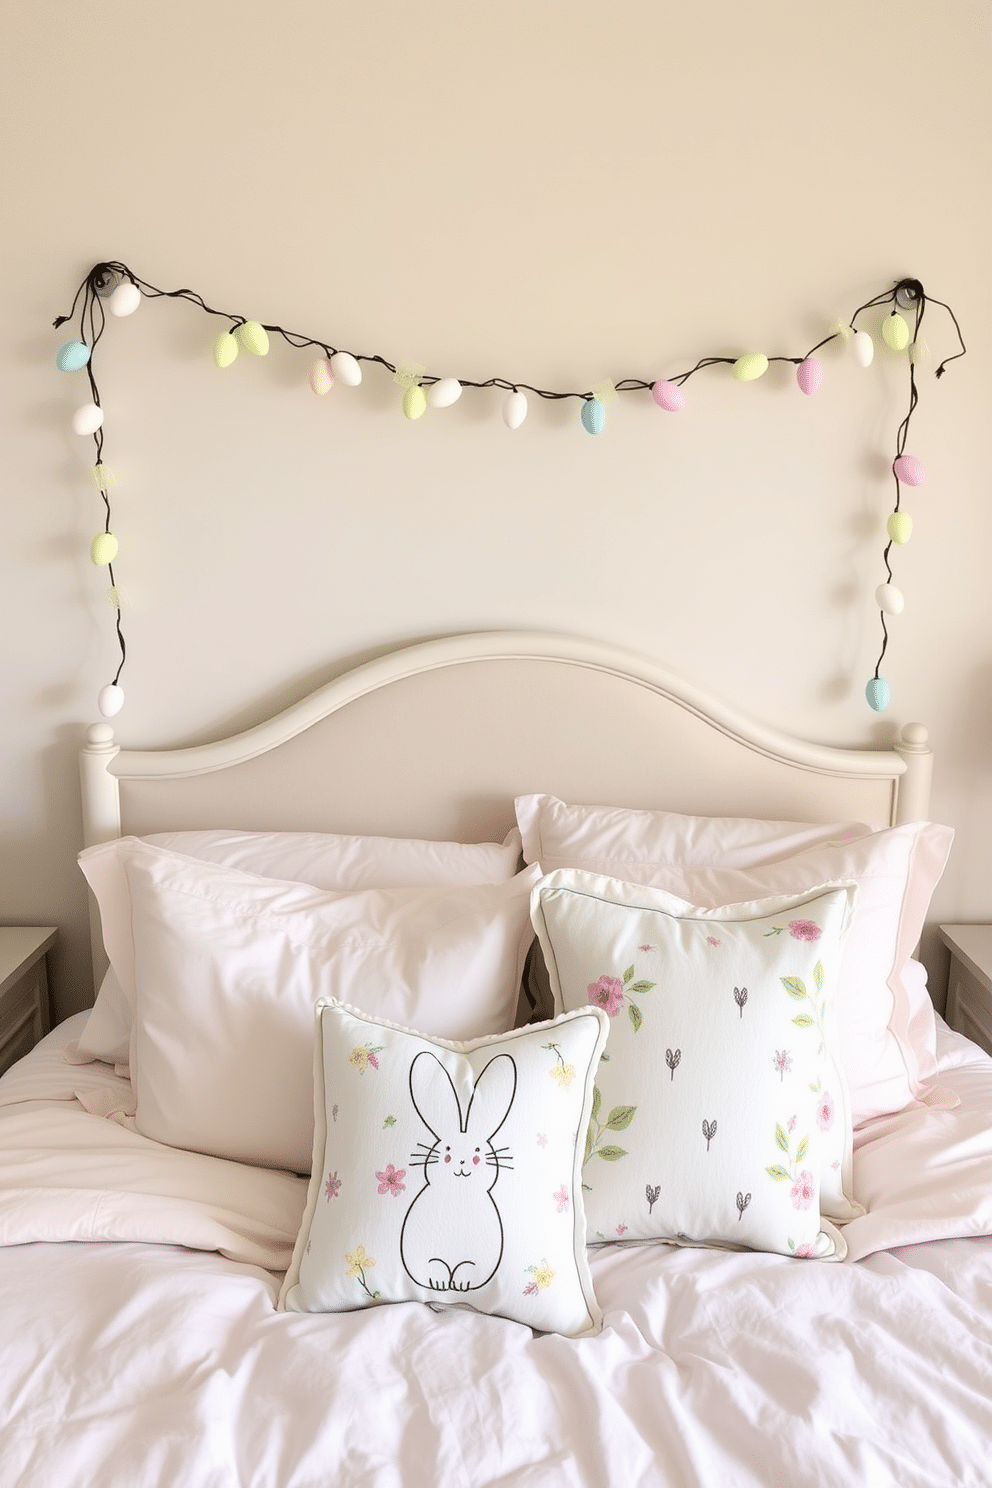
886,1020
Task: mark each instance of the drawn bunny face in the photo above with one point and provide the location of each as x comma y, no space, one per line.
452,1236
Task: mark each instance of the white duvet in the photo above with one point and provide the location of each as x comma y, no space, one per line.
152,1354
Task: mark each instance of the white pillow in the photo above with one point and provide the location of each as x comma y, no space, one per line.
886,1020
449,1172
720,1115
227,967
326,860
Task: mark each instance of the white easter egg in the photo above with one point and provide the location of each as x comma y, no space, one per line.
88,419
863,348
346,369
125,299
321,376
110,700
446,390
890,599
515,409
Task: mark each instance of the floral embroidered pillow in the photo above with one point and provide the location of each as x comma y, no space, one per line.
450,1172
718,1105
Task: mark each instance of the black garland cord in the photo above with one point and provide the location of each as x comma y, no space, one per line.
103,279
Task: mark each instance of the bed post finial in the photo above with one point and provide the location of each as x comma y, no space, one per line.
913,792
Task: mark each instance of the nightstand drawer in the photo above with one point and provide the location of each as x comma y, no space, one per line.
24,1010
970,1005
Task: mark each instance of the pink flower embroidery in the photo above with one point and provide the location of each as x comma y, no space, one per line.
645,948
607,994
332,1187
808,1252
712,940
542,1139
803,1190
782,1062
825,1112
621,1228
391,1181
804,930
561,1199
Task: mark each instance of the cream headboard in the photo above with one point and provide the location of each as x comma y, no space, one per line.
435,740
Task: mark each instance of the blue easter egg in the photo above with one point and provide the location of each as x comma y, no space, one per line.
593,416
72,356
878,692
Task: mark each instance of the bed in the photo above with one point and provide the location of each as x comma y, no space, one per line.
413,912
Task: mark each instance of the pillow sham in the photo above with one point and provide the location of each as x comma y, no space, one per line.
886,1021
449,1172
227,967
719,1115
325,859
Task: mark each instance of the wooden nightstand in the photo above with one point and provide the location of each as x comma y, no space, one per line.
969,986
25,1015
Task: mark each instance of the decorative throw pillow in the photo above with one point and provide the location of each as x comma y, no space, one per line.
718,1104
327,860
449,1172
887,1029
227,968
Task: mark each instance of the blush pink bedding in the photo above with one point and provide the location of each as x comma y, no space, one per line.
140,1346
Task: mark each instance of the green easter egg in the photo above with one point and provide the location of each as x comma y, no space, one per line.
414,401
103,548
895,332
900,527
751,365
254,338
225,349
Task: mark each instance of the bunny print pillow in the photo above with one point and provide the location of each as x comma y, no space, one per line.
450,1172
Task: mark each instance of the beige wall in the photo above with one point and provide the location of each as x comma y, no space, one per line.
557,192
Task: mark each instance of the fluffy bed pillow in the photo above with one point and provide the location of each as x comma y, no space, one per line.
719,1111
886,1020
449,1172
227,968
325,859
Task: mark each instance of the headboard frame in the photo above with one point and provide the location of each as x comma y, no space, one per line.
435,740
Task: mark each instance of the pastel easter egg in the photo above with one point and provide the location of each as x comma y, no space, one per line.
88,419
346,369
125,299
254,337
900,527
889,599
862,348
751,365
321,376
668,395
414,401
809,375
110,700
895,332
879,694
225,348
909,470
445,392
103,549
593,416
515,409
72,356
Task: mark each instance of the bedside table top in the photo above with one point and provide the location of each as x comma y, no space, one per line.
971,944
21,946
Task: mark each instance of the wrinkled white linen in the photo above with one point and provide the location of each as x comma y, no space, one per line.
148,1365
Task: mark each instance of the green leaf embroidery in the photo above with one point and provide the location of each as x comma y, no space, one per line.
818,976
612,1154
778,1172
589,1141
597,1100
642,987
803,1020
628,975
635,1015
802,1149
620,1118
781,1139
795,987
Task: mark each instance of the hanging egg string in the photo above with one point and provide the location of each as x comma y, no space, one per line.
113,284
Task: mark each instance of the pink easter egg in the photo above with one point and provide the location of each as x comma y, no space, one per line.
668,395
909,470
809,375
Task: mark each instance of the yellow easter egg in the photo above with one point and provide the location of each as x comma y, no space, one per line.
900,527
751,365
414,401
895,332
103,548
225,349
254,338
